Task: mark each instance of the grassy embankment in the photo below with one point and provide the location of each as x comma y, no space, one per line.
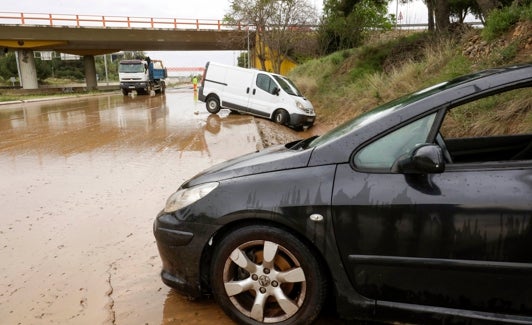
350,82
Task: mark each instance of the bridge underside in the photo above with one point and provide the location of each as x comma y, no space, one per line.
87,42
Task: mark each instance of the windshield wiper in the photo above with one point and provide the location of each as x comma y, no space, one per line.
300,145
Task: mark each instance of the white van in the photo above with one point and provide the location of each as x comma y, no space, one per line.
255,92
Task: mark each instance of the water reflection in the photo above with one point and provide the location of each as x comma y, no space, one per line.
171,121
82,180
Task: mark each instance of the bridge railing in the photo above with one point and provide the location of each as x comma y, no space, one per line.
73,20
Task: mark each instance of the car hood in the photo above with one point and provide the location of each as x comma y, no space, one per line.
274,158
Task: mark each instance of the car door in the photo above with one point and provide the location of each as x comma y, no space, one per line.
262,100
460,239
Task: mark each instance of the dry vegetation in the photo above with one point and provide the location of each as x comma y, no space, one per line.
490,116
348,83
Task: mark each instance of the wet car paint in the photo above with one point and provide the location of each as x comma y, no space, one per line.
368,220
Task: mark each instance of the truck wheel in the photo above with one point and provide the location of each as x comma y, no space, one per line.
280,116
213,105
124,92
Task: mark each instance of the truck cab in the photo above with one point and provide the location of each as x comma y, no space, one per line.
142,75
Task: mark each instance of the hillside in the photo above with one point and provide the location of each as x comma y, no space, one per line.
348,83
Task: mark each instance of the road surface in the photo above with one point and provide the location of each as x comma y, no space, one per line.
82,180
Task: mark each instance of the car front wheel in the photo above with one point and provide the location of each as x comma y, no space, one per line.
264,275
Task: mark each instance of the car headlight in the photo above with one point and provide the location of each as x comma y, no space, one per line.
187,196
300,106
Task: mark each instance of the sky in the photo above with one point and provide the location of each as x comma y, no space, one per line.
195,9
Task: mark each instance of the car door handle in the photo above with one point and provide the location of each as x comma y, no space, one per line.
254,91
247,91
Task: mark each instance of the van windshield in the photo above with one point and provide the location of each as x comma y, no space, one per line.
288,86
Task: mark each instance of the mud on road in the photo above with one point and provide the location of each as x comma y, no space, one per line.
81,182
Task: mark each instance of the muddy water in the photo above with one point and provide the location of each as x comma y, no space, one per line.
80,183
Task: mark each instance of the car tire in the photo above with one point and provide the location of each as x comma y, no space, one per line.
213,105
124,92
280,117
289,286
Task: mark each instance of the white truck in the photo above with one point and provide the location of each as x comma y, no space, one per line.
255,92
142,75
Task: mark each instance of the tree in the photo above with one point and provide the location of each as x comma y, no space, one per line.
128,55
430,15
44,69
112,67
486,6
243,60
345,23
8,65
459,9
442,12
255,13
276,24
289,25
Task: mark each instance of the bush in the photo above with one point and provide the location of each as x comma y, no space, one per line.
500,21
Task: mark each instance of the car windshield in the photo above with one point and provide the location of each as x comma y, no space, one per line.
375,114
288,86
131,67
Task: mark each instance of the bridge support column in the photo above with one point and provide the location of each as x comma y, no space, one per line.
90,72
27,69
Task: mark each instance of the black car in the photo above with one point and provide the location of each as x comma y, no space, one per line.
419,210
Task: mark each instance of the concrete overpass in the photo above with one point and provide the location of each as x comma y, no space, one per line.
89,35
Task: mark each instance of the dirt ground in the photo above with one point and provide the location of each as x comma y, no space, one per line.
81,183
273,134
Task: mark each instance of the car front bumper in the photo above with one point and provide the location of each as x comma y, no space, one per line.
180,246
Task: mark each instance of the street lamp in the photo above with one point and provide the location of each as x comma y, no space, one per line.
249,61
248,55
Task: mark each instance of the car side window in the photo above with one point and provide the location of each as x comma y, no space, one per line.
494,128
382,153
265,83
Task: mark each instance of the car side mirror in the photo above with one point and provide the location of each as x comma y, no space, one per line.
425,159
276,91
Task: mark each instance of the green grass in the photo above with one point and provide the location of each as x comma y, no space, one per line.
347,83
500,21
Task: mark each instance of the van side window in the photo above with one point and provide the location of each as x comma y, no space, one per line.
266,83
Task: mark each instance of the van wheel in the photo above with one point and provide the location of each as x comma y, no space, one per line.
213,105
280,116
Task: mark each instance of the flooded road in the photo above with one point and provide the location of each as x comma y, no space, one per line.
81,182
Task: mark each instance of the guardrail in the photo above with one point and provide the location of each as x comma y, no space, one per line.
185,69
72,20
